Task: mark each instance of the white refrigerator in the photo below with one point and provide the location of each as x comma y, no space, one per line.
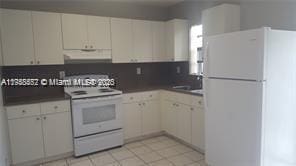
250,98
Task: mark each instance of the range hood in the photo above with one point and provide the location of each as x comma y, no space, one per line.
87,55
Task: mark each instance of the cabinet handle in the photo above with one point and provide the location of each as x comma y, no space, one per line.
55,107
199,102
44,117
24,111
144,104
140,104
131,98
31,62
85,46
150,96
91,46
38,118
38,62
191,109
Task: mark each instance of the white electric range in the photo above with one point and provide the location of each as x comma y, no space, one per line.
96,116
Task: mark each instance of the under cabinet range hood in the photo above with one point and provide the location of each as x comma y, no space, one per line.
81,55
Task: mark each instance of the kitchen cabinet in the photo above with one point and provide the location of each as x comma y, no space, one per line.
86,32
26,139
17,37
198,127
142,40
122,40
47,38
221,19
184,122
57,133
141,114
169,117
159,42
150,117
44,128
177,40
132,120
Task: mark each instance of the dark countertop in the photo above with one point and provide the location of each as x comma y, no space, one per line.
39,99
35,99
168,88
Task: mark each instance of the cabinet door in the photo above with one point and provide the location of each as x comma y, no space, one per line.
74,29
159,45
17,37
170,52
184,122
181,35
48,38
198,127
169,118
150,117
57,133
99,36
122,41
132,120
26,139
142,34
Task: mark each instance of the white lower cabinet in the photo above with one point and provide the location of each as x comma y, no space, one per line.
26,139
57,132
169,117
184,122
35,135
132,120
198,127
150,117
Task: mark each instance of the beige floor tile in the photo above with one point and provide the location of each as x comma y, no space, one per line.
103,160
141,150
117,149
72,160
134,161
170,142
133,145
122,154
150,140
150,157
98,154
157,145
194,164
168,152
162,138
194,155
202,163
56,163
163,162
182,148
180,160
82,163
113,164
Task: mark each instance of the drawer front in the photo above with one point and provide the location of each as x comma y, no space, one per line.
150,95
197,101
184,98
168,95
132,97
22,111
54,107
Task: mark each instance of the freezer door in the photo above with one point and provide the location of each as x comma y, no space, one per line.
233,122
238,55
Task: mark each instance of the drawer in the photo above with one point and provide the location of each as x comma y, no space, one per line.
54,107
22,111
168,95
197,101
131,97
184,98
151,95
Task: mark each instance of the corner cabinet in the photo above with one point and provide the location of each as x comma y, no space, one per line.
39,131
177,40
31,38
159,42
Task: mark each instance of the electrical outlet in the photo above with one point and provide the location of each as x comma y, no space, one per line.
62,74
178,69
139,72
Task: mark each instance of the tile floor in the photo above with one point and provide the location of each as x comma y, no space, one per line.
157,151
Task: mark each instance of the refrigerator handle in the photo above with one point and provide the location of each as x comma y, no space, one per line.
206,59
205,96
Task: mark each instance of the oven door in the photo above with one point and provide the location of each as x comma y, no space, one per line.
96,115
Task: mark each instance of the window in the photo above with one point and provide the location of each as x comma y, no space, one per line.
196,60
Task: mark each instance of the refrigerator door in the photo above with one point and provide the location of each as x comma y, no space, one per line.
233,122
238,55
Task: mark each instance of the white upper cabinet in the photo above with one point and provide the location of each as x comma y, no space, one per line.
17,37
177,39
74,29
122,40
47,38
1,58
221,19
159,42
142,34
99,35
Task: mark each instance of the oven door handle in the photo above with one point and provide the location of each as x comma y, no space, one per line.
96,99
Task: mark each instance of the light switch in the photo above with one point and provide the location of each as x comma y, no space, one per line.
139,72
62,74
178,69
